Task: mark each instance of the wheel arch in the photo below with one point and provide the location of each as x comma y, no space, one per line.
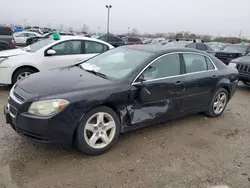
112,106
22,67
225,84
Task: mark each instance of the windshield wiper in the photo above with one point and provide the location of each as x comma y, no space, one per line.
97,73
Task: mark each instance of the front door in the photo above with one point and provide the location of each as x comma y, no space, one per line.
67,53
155,95
200,80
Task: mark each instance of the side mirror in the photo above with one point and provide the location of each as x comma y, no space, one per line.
51,52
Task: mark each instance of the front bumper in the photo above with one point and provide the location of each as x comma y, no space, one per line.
38,129
244,77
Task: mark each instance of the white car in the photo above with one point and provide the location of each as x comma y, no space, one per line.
47,54
21,37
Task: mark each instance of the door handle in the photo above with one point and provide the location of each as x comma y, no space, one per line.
179,83
214,76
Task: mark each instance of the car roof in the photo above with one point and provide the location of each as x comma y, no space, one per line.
160,48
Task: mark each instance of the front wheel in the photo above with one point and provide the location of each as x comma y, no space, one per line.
21,74
98,131
218,103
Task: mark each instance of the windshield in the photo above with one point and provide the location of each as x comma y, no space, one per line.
236,48
38,45
217,46
116,63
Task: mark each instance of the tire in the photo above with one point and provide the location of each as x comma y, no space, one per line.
21,71
212,109
246,83
4,47
89,137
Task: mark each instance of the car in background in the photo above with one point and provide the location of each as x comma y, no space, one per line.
232,51
132,40
123,89
32,40
195,45
201,46
21,37
6,38
113,40
243,66
47,54
217,46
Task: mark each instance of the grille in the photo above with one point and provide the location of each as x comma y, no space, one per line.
243,68
18,96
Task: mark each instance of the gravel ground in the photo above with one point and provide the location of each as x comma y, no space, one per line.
194,152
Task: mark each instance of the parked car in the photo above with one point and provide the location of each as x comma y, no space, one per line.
201,46
123,89
243,66
32,40
217,46
47,54
195,45
21,37
6,38
113,40
132,40
232,51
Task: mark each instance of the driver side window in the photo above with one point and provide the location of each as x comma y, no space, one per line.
68,48
166,66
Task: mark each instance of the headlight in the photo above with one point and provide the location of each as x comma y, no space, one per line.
231,64
3,59
47,107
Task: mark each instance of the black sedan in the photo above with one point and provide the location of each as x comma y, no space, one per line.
123,89
243,66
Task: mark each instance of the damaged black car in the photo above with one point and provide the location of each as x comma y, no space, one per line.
123,89
232,51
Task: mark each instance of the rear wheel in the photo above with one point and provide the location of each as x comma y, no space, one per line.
218,103
98,131
246,83
21,74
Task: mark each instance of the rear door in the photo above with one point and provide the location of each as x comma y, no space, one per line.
201,77
157,97
93,48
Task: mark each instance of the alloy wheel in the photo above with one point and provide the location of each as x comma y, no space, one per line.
220,103
99,130
23,75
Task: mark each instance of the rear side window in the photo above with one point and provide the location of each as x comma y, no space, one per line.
95,47
191,45
5,31
202,47
194,63
210,65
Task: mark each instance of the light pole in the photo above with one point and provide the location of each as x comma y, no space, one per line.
108,7
128,30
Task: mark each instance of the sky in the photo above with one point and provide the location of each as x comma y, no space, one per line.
212,17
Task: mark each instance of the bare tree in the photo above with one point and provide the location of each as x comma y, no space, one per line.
134,32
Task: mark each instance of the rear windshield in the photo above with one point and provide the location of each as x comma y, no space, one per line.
6,31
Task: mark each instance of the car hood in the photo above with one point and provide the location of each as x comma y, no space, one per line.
244,59
14,52
59,80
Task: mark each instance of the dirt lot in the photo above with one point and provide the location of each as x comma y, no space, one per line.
191,152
